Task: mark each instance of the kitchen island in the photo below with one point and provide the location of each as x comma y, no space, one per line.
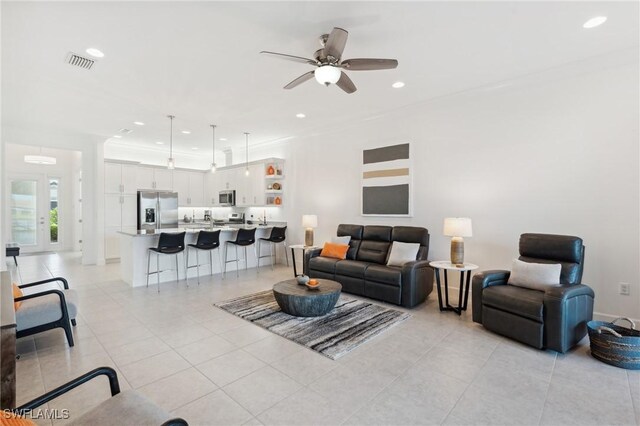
134,249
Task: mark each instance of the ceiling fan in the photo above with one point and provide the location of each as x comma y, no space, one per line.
329,63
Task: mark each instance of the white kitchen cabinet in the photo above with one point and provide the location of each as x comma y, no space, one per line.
196,189
212,188
190,188
181,186
112,243
144,178
242,187
162,179
257,185
129,211
112,210
129,173
112,178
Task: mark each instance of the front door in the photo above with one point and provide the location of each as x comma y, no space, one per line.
34,206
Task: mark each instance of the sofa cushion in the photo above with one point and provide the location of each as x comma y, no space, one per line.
324,264
336,251
355,232
126,407
402,253
373,251
391,275
519,301
351,268
566,250
413,234
45,309
377,233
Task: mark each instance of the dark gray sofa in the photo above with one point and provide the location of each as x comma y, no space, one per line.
552,319
364,271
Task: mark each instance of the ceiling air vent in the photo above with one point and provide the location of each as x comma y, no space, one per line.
79,61
125,131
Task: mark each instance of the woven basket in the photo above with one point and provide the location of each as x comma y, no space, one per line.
615,345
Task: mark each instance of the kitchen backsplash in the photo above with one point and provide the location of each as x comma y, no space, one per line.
273,213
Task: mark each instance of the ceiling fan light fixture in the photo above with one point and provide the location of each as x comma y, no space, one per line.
327,74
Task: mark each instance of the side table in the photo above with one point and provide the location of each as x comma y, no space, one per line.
293,254
463,292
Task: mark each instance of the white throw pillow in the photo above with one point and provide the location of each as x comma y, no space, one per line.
537,276
402,253
341,240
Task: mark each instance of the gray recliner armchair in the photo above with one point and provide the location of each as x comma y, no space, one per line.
552,319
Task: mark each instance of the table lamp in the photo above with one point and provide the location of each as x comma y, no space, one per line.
457,228
309,221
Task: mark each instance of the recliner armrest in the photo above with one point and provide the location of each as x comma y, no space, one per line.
565,292
417,282
481,281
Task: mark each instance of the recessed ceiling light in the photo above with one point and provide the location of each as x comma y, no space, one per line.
159,143
223,139
186,132
138,123
300,115
397,85
594,22
117,136
95,52
194,148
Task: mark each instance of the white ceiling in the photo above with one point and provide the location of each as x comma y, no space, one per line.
200,61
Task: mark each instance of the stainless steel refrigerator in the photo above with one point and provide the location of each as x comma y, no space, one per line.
157,210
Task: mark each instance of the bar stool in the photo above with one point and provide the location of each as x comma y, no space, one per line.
169,244
208,241
278,235
244,238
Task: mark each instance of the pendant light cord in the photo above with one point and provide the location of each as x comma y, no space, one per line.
171,117
213,144
246,135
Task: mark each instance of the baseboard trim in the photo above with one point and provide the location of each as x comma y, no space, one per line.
608,317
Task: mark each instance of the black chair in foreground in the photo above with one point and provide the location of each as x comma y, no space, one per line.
278,236
128,407
207,241
46,310
244,238
168,244
543,316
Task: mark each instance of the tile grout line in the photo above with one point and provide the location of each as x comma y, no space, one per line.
546,397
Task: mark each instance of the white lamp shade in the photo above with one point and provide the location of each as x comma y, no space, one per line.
457,227
309,221
327,74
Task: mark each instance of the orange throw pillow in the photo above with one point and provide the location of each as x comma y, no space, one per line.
17,293
337,251
10,419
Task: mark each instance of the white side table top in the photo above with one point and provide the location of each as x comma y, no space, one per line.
445,264
303,247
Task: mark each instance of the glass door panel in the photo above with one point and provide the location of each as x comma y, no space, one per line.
24,212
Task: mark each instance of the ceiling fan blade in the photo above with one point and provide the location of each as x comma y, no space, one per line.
368,64
335,43
298,81
345,83
291,57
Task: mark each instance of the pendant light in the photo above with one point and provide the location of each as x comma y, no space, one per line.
213,148
171,164
246,170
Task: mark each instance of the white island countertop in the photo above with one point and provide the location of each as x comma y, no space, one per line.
191,229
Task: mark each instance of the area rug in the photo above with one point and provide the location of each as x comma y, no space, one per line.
351,323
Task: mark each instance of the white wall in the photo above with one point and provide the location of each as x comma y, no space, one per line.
67,162
91,148
545,155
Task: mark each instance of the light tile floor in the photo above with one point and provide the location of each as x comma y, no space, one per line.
213,368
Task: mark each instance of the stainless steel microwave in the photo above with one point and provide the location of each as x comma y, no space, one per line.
227,198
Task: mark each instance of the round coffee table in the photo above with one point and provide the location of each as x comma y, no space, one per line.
300,301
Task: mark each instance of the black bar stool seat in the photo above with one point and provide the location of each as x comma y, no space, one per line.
168,244
207,241
278,235
244,238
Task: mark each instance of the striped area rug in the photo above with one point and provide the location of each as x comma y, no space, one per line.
351,323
